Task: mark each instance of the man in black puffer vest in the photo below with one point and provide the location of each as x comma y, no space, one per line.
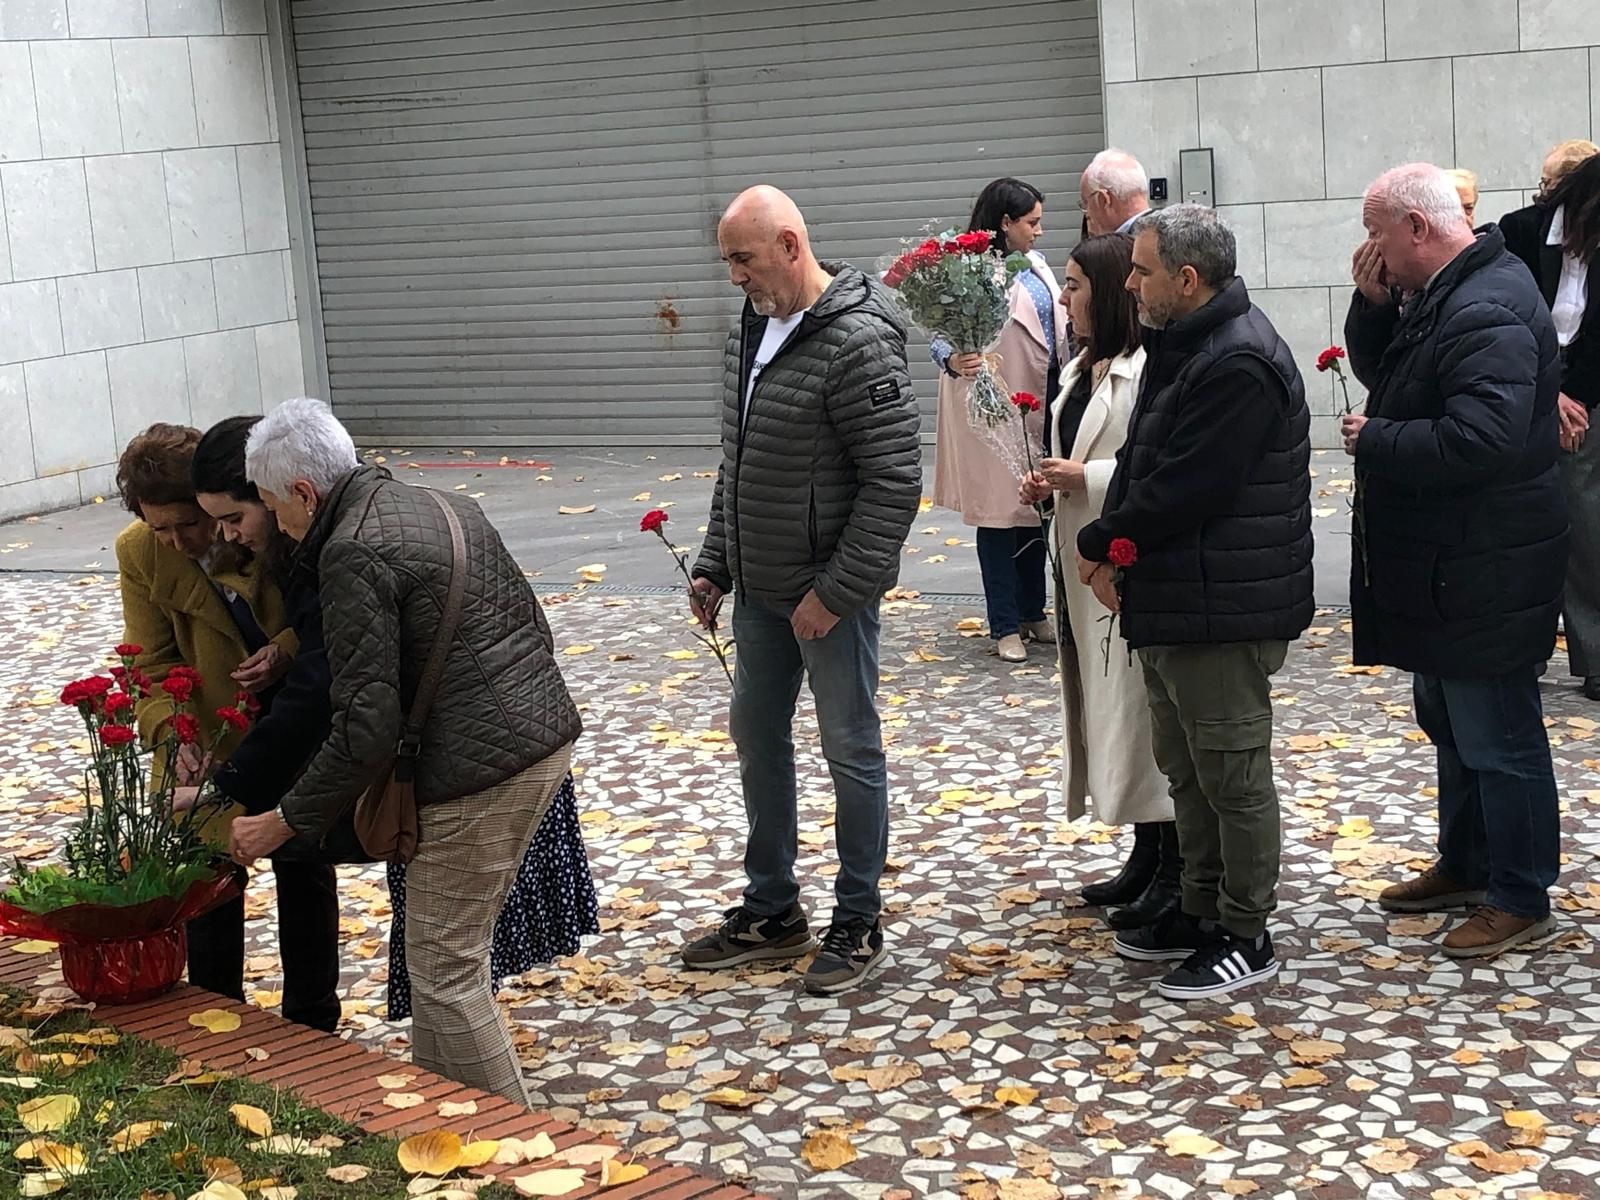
1213,490
1461,540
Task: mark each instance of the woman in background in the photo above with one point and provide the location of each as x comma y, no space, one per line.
968,476
1106,753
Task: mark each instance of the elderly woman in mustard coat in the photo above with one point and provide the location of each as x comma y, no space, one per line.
190,599
968,476
1108,766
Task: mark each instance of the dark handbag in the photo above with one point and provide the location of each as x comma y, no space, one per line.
386,813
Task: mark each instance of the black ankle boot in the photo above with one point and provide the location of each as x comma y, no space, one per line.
1128,884
1165,893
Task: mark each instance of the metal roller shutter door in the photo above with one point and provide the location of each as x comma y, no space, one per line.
514,202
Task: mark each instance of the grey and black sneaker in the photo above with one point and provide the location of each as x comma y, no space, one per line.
745,937
849,950
1229,963
1174,937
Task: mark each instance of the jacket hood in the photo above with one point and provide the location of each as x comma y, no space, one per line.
851,291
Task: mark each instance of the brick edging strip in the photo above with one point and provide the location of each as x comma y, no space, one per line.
340,1078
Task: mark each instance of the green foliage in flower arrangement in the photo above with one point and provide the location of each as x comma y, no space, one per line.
128,847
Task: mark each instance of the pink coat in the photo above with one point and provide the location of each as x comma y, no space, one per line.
967,475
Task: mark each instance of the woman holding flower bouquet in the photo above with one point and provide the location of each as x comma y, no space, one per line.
969,476
1105,748
194,606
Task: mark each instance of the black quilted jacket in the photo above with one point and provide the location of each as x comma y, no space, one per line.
820,483
382,554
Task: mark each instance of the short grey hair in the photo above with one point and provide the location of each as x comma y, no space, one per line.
1117,172
1419,188
1192,235
300,439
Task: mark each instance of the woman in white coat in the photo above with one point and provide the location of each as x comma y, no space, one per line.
1106,754
968,476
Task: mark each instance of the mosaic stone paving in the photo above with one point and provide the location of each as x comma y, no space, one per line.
1004,1051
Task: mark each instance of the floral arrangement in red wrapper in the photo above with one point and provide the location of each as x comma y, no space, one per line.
1122,553
955,286
655,522
133,868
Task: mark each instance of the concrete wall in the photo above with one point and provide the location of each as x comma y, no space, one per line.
1305,101
144,272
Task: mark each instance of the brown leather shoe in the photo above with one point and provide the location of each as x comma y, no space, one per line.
1489,931
1431,891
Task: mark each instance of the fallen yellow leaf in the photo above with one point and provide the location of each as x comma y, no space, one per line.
575,510
395,1083
42,1184
828,1150
449,1109
136,1135
48,1113
615,1174
557,1182
33,946
1183,1145
215,1020
349,1173
403,1100
437,1152
732,1098
1304,1078
1020,1096
217,1189
252,1120
477,1154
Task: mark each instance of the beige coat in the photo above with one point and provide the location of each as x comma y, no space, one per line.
968,476
1105,745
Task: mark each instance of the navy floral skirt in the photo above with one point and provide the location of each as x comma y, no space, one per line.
550,906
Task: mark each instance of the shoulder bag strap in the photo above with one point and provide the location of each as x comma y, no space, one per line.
433,671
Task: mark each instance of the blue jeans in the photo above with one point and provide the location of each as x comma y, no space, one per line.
1499,824
843,671
1012,564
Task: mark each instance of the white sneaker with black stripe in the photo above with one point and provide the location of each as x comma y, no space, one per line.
1227,964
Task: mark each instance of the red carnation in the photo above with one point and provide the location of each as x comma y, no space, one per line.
232,716
179,687
86,692
187,728
116,702
652,521
182,671
129,650
977,241
1122,552
1328,357
247,704
1026,401
117,735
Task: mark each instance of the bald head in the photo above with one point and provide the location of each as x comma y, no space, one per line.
1415,216
763,240
765,210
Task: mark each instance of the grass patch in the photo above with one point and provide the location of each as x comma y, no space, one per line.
120,1085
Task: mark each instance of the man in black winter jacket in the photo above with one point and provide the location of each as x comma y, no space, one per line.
1461,539
1213,490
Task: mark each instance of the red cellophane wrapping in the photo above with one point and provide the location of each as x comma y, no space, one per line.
122,955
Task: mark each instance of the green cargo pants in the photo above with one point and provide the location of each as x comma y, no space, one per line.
1211,729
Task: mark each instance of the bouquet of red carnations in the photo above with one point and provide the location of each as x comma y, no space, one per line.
134,869
954,286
